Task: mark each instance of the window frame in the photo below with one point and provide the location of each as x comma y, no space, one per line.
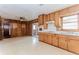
69,29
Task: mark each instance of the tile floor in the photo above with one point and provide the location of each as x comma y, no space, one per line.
28,46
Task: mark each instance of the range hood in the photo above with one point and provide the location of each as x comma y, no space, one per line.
51,26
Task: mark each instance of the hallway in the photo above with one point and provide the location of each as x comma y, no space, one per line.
28,46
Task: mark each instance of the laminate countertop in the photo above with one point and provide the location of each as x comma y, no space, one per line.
62,33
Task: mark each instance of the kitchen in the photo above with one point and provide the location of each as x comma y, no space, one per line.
58,29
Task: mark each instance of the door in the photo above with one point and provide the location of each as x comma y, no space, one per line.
6,29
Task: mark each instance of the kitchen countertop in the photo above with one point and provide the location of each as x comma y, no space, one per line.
62,32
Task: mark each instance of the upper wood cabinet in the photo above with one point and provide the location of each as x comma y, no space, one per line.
57,19
45,18
51,17
41,19
48,17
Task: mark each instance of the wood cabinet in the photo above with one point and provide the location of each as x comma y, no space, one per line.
51,17
48,17
63,42
57,19
70,43
41,37
46,37
45,18
50,39
41,19
73,44
55,40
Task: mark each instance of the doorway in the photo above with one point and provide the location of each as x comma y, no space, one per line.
35,29
6,29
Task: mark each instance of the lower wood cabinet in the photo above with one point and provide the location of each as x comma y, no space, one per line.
63,42
73,45
45,35
50,40
70,43
55,40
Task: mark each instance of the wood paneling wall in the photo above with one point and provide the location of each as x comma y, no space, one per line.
0,28
29,28
18,28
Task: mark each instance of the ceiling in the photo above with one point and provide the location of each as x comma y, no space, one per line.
29,11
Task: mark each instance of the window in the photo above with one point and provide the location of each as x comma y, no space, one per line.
70,22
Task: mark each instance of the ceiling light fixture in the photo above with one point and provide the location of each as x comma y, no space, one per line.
22,18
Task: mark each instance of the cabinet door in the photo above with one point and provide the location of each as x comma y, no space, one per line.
42,37
73,45
45,37
57,19
49,39
41,19
45,18
48,17
52,17
55,40
63,42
